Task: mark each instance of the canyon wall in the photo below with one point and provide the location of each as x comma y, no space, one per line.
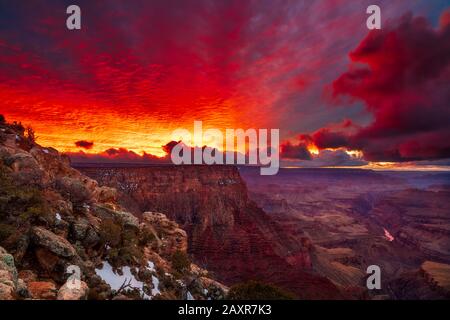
229,234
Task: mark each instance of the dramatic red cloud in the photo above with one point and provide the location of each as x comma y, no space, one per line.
138,70
402,74
84,144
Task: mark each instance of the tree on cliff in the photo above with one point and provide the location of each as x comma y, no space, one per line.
254,290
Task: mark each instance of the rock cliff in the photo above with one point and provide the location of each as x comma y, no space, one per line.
62,236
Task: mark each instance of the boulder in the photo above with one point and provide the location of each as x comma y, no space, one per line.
92,238
7,262
74,190
46,259
216,290
105,194
8,276
42,290
6,291
79,229
127,219
82,230
172,239
56,244
73,291
22,289
27,276
23,161
61,227
26,170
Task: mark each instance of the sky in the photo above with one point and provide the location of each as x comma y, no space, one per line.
340,94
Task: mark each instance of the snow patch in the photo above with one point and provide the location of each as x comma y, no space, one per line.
151,266
58,216
155,282
189,296
388,235
115,280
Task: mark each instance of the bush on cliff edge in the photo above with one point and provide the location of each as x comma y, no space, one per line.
254,290
180,262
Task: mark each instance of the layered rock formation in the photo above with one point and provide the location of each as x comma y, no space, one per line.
431,281
57,224
357,218
228,233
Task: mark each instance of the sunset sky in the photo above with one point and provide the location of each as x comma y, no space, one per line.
137,70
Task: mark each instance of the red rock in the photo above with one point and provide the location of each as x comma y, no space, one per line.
46,259
27,276
42,290
71,292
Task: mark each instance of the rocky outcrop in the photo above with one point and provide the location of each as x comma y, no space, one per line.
57,224
42,290
8,276
78,290
50,241
169,236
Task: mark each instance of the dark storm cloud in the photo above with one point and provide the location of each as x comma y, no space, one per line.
402,74
292,151
84,144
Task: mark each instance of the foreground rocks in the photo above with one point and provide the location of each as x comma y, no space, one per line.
77,290
59,227
8,276
56,244
42,290
169,235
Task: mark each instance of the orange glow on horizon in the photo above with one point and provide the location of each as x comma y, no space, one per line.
313,149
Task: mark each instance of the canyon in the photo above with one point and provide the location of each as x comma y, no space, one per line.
398,221
311,231
190,232
228,233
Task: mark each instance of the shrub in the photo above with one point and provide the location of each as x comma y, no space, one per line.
180,262
113,255
6,231
110,233
2,119
147,237
253,290
129,237
18,127
129,255
123,243
25,204
30,135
